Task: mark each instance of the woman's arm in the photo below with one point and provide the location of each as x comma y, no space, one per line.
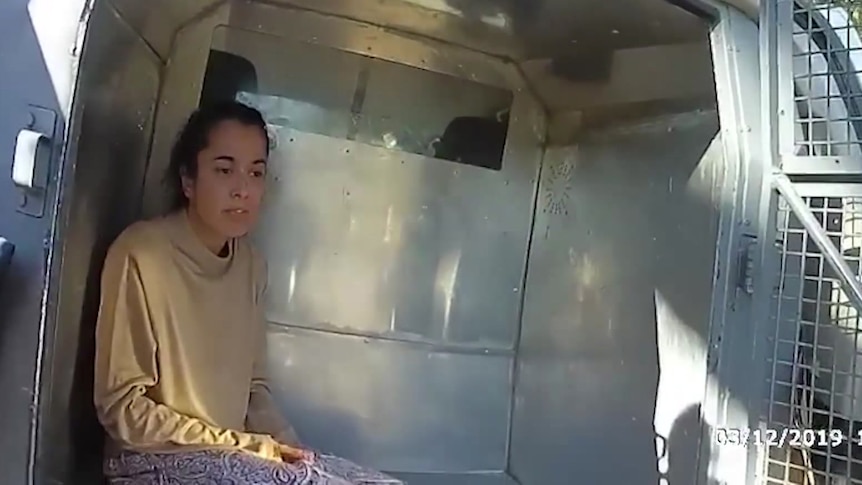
263,414
126,366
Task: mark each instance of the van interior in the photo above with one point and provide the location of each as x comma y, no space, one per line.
486,222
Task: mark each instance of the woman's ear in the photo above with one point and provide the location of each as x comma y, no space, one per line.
188,184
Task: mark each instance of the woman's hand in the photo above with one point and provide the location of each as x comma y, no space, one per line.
292,454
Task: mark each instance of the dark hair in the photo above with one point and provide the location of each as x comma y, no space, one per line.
194,137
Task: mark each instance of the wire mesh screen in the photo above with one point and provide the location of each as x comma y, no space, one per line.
827,59
816,365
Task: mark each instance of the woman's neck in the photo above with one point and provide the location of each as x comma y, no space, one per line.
212,240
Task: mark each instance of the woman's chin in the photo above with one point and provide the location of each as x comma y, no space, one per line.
236,225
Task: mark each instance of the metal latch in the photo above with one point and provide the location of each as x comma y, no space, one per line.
31,161
25,161
745,263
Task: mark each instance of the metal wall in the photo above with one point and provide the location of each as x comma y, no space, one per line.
735,338
617,310
116,101
180,94
425,391
157,21
395,279
397,284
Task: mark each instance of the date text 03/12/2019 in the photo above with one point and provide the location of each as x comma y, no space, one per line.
784,436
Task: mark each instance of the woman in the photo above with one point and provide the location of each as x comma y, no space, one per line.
180,382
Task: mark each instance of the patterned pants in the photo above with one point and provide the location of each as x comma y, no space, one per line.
234,468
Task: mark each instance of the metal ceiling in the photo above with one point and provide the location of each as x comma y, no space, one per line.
517,29
525,29
566,49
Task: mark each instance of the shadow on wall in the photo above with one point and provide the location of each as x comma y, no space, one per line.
117,94
683,267
685,437
110,218
627,215
110,205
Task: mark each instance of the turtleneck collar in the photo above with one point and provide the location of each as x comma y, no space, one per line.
193,249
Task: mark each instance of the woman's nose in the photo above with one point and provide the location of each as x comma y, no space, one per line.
240,188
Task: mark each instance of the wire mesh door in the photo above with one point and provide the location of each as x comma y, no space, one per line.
816,362
811,426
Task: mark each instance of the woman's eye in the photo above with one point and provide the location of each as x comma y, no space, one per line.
258,174
223,170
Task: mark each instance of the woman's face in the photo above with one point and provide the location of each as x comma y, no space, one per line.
231,172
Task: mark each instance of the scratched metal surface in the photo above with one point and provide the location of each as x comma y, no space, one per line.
392,405
394,277
617,307
367,240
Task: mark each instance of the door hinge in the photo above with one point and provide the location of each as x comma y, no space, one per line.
745,263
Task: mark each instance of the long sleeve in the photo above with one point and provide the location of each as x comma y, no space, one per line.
263,414
126,366
265,417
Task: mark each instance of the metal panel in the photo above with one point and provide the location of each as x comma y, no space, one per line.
367,240
735,334
366,99
457,478
401,273
636,75
392,405
747,7
180,94
528,29
158,20
536,27
778,139
621,264
361,38
116,100
484,28
395,247
550,39
187,66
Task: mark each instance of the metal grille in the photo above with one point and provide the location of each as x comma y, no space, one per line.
816,362
827,58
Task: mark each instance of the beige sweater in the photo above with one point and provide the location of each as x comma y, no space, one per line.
180,345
